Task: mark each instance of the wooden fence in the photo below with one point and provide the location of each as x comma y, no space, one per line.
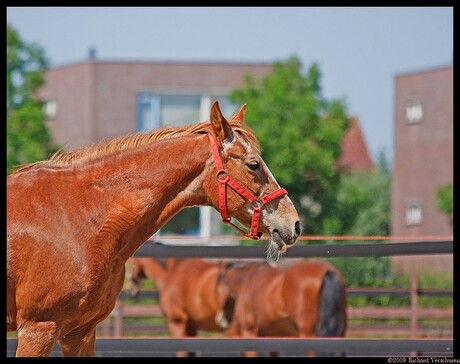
111,347
113,326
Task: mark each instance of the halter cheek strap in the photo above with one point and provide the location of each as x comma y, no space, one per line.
225,180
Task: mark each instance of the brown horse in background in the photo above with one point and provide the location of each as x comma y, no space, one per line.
306,299
75,219
187,293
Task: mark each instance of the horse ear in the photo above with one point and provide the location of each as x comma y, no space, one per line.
220,126
239,115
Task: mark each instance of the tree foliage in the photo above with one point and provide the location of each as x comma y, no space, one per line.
363,203
300,133
445,201
28,138
301,137
363,209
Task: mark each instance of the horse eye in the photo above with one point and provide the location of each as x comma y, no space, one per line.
253,165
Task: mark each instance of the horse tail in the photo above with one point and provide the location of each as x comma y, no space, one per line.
332,320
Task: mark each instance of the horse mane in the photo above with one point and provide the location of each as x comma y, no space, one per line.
133,140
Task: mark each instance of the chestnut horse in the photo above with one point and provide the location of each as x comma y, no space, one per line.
75,219
187,293
306,299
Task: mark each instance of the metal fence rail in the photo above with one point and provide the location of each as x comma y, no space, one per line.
285,346
158,250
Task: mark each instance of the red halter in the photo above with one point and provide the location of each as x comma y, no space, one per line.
257,202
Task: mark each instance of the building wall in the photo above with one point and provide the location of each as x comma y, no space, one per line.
72,89
423,160
97,100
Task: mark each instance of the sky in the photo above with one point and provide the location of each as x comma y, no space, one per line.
359,50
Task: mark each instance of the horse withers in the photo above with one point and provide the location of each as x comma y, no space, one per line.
75,219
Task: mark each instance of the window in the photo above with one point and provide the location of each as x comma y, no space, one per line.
155,110
147,112
414,112
50,109
186,222
414,214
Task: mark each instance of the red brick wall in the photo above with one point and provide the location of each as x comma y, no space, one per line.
97,100
423,154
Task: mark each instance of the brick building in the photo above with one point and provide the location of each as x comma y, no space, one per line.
423,161
95,100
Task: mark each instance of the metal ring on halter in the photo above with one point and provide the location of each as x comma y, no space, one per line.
219,173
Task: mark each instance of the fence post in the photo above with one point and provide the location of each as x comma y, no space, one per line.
118,319
106,326
413,307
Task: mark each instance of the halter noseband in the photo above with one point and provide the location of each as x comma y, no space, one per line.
224,179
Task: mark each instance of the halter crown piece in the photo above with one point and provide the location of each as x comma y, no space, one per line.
225,180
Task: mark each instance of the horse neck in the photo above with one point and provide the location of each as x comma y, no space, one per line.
148,185
156,271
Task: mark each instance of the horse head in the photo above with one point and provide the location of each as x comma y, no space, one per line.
245,188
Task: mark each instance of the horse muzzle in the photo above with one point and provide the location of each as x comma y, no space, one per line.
282,241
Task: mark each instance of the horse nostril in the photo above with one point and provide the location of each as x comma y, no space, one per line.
297,228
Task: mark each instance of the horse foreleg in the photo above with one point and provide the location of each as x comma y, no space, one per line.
178,329
307,333
36,339
82,344
250,334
